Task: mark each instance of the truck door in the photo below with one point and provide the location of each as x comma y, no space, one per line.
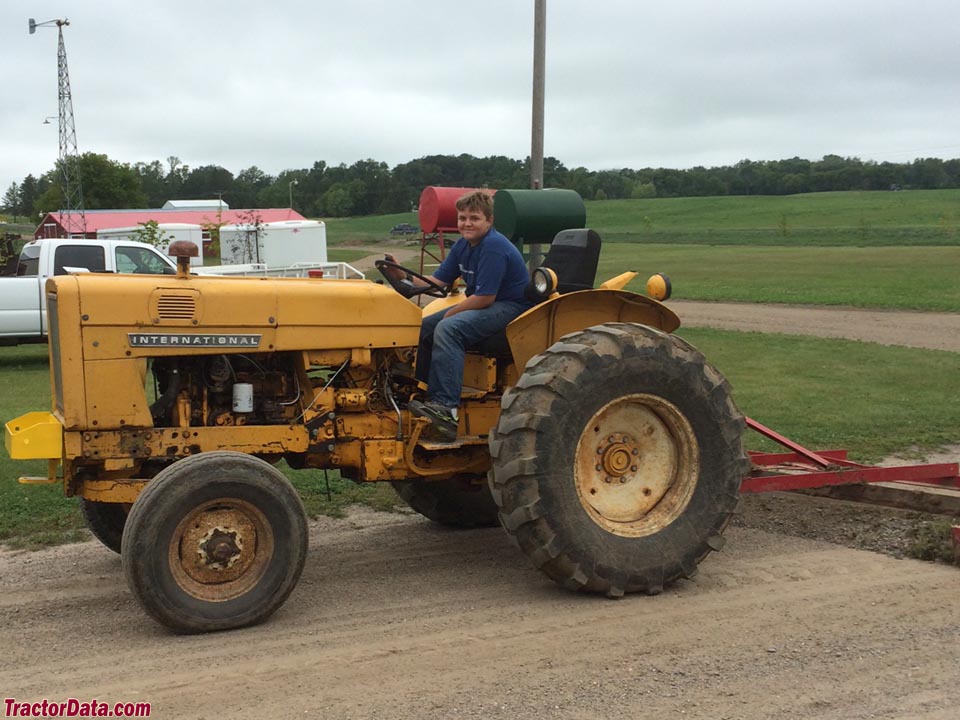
20,307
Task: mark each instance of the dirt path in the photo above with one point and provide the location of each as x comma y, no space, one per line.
395,618
403,255
936,331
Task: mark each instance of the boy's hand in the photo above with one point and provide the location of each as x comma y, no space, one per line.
395,273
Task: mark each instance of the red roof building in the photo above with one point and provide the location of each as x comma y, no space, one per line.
55,224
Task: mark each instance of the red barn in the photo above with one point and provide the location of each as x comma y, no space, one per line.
55,224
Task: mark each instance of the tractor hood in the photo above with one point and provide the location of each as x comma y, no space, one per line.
136,315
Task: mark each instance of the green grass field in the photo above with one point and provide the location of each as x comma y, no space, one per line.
871,399
890,250
368,229
923,217
888,278
902,278
37,514
912,217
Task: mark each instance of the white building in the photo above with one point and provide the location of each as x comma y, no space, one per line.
195,205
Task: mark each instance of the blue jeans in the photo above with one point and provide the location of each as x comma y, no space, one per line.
445,341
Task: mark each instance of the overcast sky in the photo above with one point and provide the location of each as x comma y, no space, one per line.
630,83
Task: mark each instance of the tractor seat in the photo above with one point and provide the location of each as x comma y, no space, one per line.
573,256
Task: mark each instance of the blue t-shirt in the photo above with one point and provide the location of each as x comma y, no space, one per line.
493,266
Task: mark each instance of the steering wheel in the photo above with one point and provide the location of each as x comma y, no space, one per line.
405,287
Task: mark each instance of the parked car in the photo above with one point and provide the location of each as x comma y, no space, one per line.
404,229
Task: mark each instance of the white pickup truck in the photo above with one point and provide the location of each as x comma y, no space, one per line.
23,302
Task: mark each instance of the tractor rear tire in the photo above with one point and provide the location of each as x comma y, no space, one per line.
460,502
105,521
215,541
617,459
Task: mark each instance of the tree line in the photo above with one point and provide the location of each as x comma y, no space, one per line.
370,187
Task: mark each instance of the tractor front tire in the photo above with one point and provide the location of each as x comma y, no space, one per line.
463,501
617,459
215,541
105,521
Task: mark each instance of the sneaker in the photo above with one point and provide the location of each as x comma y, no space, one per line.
443,422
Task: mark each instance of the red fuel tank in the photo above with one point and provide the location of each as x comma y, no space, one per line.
438,207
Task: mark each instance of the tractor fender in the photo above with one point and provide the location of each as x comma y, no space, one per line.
444,303
541,326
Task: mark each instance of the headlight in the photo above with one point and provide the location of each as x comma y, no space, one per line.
658,287
543,283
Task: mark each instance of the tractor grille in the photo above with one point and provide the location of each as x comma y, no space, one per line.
176,307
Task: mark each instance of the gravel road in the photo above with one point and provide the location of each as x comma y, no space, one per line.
398,618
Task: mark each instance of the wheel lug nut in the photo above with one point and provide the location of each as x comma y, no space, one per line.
633,468
636,452
599,467
607,479
622,480
612,439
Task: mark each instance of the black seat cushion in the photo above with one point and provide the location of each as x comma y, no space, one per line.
573,256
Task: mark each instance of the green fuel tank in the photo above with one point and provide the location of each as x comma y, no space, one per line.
536,216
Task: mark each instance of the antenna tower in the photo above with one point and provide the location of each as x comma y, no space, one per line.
72,216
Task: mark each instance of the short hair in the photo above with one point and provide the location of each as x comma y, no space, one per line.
478,200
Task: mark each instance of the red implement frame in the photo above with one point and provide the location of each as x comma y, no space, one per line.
803,469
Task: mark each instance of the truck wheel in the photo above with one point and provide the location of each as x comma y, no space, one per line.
460,502
215,541
105,521
617,459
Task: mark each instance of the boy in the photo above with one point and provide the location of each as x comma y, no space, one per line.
496,280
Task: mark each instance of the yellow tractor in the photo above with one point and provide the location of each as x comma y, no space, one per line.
608,448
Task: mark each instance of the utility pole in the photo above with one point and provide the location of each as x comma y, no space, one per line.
75,222
539,56
290,188
536,135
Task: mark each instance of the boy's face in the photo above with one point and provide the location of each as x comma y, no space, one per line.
473,225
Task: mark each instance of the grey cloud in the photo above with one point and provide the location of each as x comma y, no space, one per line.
629,84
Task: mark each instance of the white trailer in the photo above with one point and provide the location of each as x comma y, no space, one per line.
274,244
